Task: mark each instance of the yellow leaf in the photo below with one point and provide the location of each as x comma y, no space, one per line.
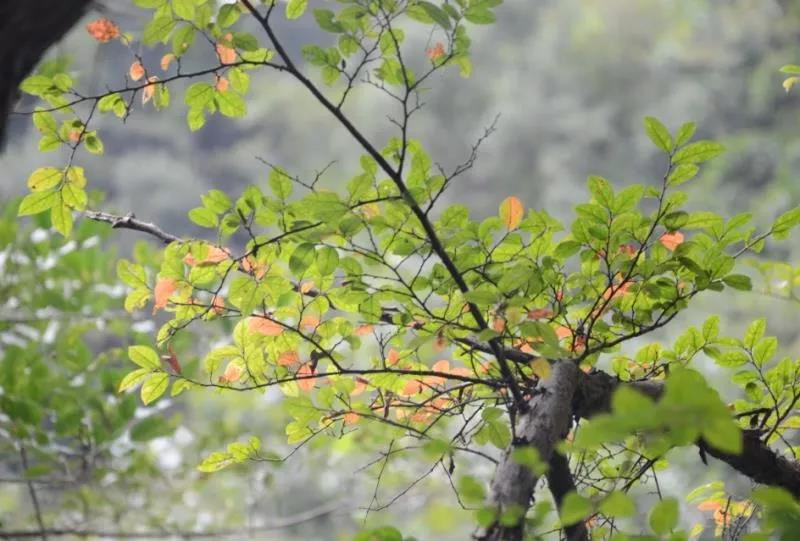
789,83
511,211
541,368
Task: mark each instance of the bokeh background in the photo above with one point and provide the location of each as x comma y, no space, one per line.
571,81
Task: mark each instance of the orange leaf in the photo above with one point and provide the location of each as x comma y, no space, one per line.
232,373
215,255
617,291
226,54
628,249
511,211
563,332
136,71
351,418
440,343
435,52
709,505
218,304
361,386
393,358
251,266
361,330
411,388
288,358
540,313
309,322
103,30
461,371
308,383
164,289
222,85
149,91
438,366
671,240
264,326
166,60
441,366
305,287
524,346
499,324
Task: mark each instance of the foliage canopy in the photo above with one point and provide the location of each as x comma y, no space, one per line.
387,321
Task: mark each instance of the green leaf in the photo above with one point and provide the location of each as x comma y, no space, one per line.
182,39
132,379
479,15
754,332
203,217
685,133
738,281
295,8
658,133
61,218
574,508
44,178
436,13
144,356
785,223
184,9
722,433
682,173
215,462
37,202
154,387
157,30
228,15
325,20
198,95
93,143
790,69
327,260
73,196
36,85
301,258
664,516
231,104
618,504
764,350
280,183
195,119
131,273
698,152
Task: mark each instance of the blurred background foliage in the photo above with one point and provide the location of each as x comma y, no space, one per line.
571,81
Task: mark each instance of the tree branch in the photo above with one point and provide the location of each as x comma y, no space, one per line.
756,461
560,482
129,221
546,422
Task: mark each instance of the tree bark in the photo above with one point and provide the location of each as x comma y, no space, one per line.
27,29
561,483
757,461
547,421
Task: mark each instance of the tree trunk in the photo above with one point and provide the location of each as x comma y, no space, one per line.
547,421
27,29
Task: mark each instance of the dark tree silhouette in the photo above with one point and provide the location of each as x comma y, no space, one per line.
27,29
